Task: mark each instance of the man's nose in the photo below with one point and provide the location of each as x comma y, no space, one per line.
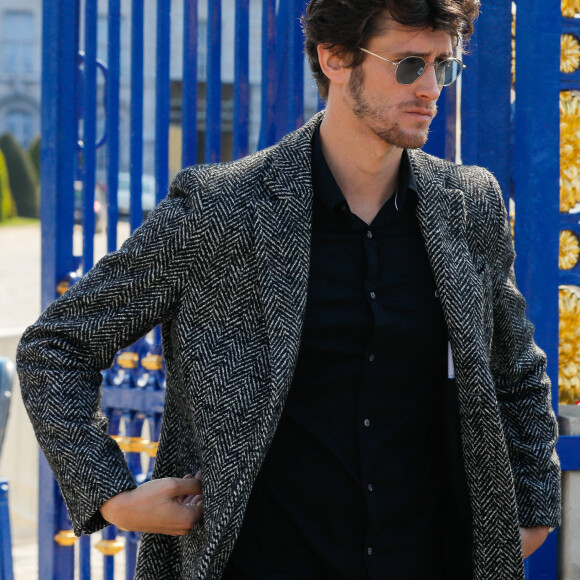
426,85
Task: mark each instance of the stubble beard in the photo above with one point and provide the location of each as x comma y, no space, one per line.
376,114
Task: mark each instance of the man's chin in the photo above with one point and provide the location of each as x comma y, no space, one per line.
406,141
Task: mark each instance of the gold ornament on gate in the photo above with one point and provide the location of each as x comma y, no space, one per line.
570,8
569,345
569,53
569,250
65,538
569,151
110,547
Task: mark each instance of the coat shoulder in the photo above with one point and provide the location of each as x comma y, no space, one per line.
468,178
233,180
244,179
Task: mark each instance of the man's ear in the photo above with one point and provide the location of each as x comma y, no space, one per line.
332,65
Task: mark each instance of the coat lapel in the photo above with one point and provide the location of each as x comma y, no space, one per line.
282,220
443,220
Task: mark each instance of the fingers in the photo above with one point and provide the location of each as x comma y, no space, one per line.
184,487
164,506
186,499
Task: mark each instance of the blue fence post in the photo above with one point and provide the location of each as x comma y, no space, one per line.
112,113
58,168
136,145
89,131
242,79
189,92
269,76
213,124
162,85
536,194
485,94
6,572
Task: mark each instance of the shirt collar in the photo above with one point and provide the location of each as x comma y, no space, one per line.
327,190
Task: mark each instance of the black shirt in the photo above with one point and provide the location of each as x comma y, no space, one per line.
354,484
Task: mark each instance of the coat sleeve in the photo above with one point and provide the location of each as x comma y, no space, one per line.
522,386
60,357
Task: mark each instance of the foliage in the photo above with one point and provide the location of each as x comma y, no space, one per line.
34,152
7,207
21,174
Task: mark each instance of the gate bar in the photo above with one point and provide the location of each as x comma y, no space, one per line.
112,105
241,79
89,132
136,146
189,85
213,95
162,85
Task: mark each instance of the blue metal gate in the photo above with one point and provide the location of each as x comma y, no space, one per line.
215,99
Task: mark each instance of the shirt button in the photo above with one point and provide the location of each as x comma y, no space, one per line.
371,357
372,295
366,423
369,551
369,234
370,487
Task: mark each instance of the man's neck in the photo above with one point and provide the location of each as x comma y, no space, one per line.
364,166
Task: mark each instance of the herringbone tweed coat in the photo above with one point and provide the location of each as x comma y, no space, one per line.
223,264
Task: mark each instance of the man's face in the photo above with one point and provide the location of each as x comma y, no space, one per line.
399,114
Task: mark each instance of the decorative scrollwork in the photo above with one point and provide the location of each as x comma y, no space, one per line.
569,345
569,53
569,250
569,151
570,8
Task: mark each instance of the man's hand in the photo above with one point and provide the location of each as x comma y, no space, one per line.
169,506
533,538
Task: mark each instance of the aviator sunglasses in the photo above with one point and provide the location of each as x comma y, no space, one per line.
409,69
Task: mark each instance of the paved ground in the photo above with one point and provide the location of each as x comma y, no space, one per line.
20,260
20,251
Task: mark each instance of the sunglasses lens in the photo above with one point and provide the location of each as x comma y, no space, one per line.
448,71
410,69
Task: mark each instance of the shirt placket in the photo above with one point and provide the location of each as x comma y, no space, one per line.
366,419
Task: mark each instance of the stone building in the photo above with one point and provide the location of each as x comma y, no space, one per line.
20,76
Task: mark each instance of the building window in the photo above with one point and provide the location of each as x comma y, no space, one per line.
21,124
18,40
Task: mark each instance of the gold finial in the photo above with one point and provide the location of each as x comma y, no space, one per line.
65,538
110,547
152,362
128,360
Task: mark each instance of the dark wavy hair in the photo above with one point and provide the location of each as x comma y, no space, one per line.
344,25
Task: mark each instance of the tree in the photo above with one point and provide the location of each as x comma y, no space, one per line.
34,152
21,174
7,208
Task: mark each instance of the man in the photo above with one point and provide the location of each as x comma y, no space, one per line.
317,300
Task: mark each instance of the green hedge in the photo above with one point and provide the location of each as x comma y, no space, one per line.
21,174
7,208
34,152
